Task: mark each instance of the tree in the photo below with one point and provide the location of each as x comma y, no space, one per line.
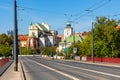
25,51
106,39
5,50
3,38
5,45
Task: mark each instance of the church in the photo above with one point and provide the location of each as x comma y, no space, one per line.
39,35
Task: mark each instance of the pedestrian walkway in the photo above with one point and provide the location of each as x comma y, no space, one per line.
10,74
117,65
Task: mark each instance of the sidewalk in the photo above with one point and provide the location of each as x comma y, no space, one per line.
10,74
98,63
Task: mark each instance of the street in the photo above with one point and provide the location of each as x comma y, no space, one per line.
37,68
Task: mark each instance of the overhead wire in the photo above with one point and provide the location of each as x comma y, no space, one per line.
75,17
94,7
77,14
39,10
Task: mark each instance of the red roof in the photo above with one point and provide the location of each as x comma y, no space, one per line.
118,27
22,37
57,37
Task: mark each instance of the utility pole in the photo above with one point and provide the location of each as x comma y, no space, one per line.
92,43
92,31
15,38
65,48
74,42
74,38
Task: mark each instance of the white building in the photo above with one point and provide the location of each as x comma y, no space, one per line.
68,31
40,35
69,38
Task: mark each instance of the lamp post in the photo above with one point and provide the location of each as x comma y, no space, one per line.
92,43
65,48
15,38
92,35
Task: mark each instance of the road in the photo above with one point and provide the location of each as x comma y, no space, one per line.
37,68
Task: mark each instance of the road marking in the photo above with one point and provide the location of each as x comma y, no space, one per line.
62,73
108,74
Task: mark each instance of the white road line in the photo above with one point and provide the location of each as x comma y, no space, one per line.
62,73
108,74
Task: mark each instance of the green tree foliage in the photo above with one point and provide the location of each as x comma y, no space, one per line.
86,45
25,51
106,39
5,50
5,45
49,50
71,49
4,39
104,31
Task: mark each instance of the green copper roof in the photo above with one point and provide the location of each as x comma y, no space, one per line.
31,24
68,25
43,27
70,39
40,26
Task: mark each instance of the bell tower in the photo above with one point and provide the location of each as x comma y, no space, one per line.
68,31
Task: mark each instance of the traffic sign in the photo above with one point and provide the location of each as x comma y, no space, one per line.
75,50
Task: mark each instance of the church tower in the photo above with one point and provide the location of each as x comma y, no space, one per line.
68,31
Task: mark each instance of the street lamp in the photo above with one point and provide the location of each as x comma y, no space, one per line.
92,43
65,48
15,38
92,34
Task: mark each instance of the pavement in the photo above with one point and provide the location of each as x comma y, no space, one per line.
117,65
10,74
7,71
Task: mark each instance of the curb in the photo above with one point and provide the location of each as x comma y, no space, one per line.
23,77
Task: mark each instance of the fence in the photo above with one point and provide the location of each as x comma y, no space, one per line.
109,60
3,61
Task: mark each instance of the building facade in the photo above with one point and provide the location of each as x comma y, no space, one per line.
68,31
41,35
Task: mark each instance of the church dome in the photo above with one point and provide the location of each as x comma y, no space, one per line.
68,25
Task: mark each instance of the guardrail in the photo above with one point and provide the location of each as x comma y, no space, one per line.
108,60
3,61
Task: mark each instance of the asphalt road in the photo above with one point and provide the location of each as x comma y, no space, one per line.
37,68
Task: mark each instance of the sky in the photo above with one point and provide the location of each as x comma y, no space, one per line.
56,13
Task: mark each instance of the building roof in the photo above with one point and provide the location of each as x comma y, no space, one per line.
62,36
118,27
57,37
71,39
22,37
40,27
68,25
43,27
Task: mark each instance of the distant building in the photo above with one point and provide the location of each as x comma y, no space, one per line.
68,31
40,35
69,37
10,32
22,40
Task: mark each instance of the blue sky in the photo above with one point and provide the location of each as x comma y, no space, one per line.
56,13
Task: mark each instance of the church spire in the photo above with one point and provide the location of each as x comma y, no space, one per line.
31,24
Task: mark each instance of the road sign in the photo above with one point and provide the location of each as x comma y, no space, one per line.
75,50
65,49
